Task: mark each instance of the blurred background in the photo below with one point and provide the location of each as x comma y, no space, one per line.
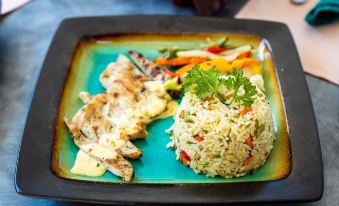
27,28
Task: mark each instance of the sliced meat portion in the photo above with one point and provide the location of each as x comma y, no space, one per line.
92,122
117,110
123,70
119,143
149,67
152,101
131,109
104,125
85,97
110,159
134,99
120,110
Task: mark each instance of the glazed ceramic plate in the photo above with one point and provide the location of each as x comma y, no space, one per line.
158,164
81,50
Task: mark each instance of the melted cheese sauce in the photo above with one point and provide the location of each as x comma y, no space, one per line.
85,165
153,107
171,110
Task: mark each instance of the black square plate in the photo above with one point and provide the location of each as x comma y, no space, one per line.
34,176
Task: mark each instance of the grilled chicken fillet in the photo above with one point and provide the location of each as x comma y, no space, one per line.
148,66
95,125
113,161
137,99
107,121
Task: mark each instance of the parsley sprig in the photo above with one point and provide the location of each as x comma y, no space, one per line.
235,82
205,83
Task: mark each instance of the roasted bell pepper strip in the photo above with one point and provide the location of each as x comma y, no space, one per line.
184,69
177,61
245,55
185,155
184,160
246,62
215,49
220,64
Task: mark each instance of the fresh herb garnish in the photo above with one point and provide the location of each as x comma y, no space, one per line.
210,82
235,82
204,82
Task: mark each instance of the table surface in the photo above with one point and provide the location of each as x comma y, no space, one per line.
24,39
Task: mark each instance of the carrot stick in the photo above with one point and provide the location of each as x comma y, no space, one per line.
245,111
247,160
177,61
173,62
184,69
198,138
249,141
197,60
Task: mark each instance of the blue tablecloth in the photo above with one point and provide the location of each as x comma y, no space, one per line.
24,39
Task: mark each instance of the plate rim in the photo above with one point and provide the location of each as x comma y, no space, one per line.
302,185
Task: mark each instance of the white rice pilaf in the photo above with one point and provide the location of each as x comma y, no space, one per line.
218,139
